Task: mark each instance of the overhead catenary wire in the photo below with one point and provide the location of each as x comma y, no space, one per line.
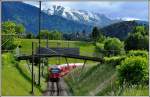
13,34
5,42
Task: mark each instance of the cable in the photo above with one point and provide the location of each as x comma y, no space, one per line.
5,42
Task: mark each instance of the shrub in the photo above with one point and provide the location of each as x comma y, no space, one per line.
116,60
133,70
138,53
113,46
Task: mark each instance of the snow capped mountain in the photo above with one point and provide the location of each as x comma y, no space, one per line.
81,16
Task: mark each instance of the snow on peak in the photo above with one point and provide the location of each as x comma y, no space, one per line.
82,16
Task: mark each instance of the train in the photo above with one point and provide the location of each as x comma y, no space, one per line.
58,71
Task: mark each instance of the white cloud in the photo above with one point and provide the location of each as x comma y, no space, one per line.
129,19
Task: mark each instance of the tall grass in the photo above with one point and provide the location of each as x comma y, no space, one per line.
140,90
114,89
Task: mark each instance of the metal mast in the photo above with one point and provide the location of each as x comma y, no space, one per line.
39,40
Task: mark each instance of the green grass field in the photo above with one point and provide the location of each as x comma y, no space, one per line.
27,45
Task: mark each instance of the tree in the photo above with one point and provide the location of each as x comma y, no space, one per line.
43,34
113,46
95,33
138,39
57,35
139,29
8,32
20,29
84,33
30,35
53,35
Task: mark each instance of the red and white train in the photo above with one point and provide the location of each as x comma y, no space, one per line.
58,71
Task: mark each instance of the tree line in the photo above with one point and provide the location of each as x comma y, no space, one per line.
137,39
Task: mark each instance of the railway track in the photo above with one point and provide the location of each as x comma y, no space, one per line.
56,89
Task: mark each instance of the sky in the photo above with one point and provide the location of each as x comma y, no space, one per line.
128,10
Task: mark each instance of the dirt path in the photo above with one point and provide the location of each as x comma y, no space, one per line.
64,91
101,86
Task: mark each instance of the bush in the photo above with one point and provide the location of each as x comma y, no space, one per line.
138,53
113,46
133,70
114,60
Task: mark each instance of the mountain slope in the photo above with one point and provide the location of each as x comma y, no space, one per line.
28,16
122,29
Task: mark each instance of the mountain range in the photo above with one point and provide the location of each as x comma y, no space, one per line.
28,15
81,16
63,19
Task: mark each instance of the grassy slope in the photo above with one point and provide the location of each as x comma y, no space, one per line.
94,77
114,89
16,79
100,81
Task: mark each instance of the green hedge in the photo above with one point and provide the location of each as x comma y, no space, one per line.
116,60
142,53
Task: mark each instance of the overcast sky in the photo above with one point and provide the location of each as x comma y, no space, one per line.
113,9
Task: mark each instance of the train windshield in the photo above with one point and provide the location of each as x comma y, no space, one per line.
55,70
